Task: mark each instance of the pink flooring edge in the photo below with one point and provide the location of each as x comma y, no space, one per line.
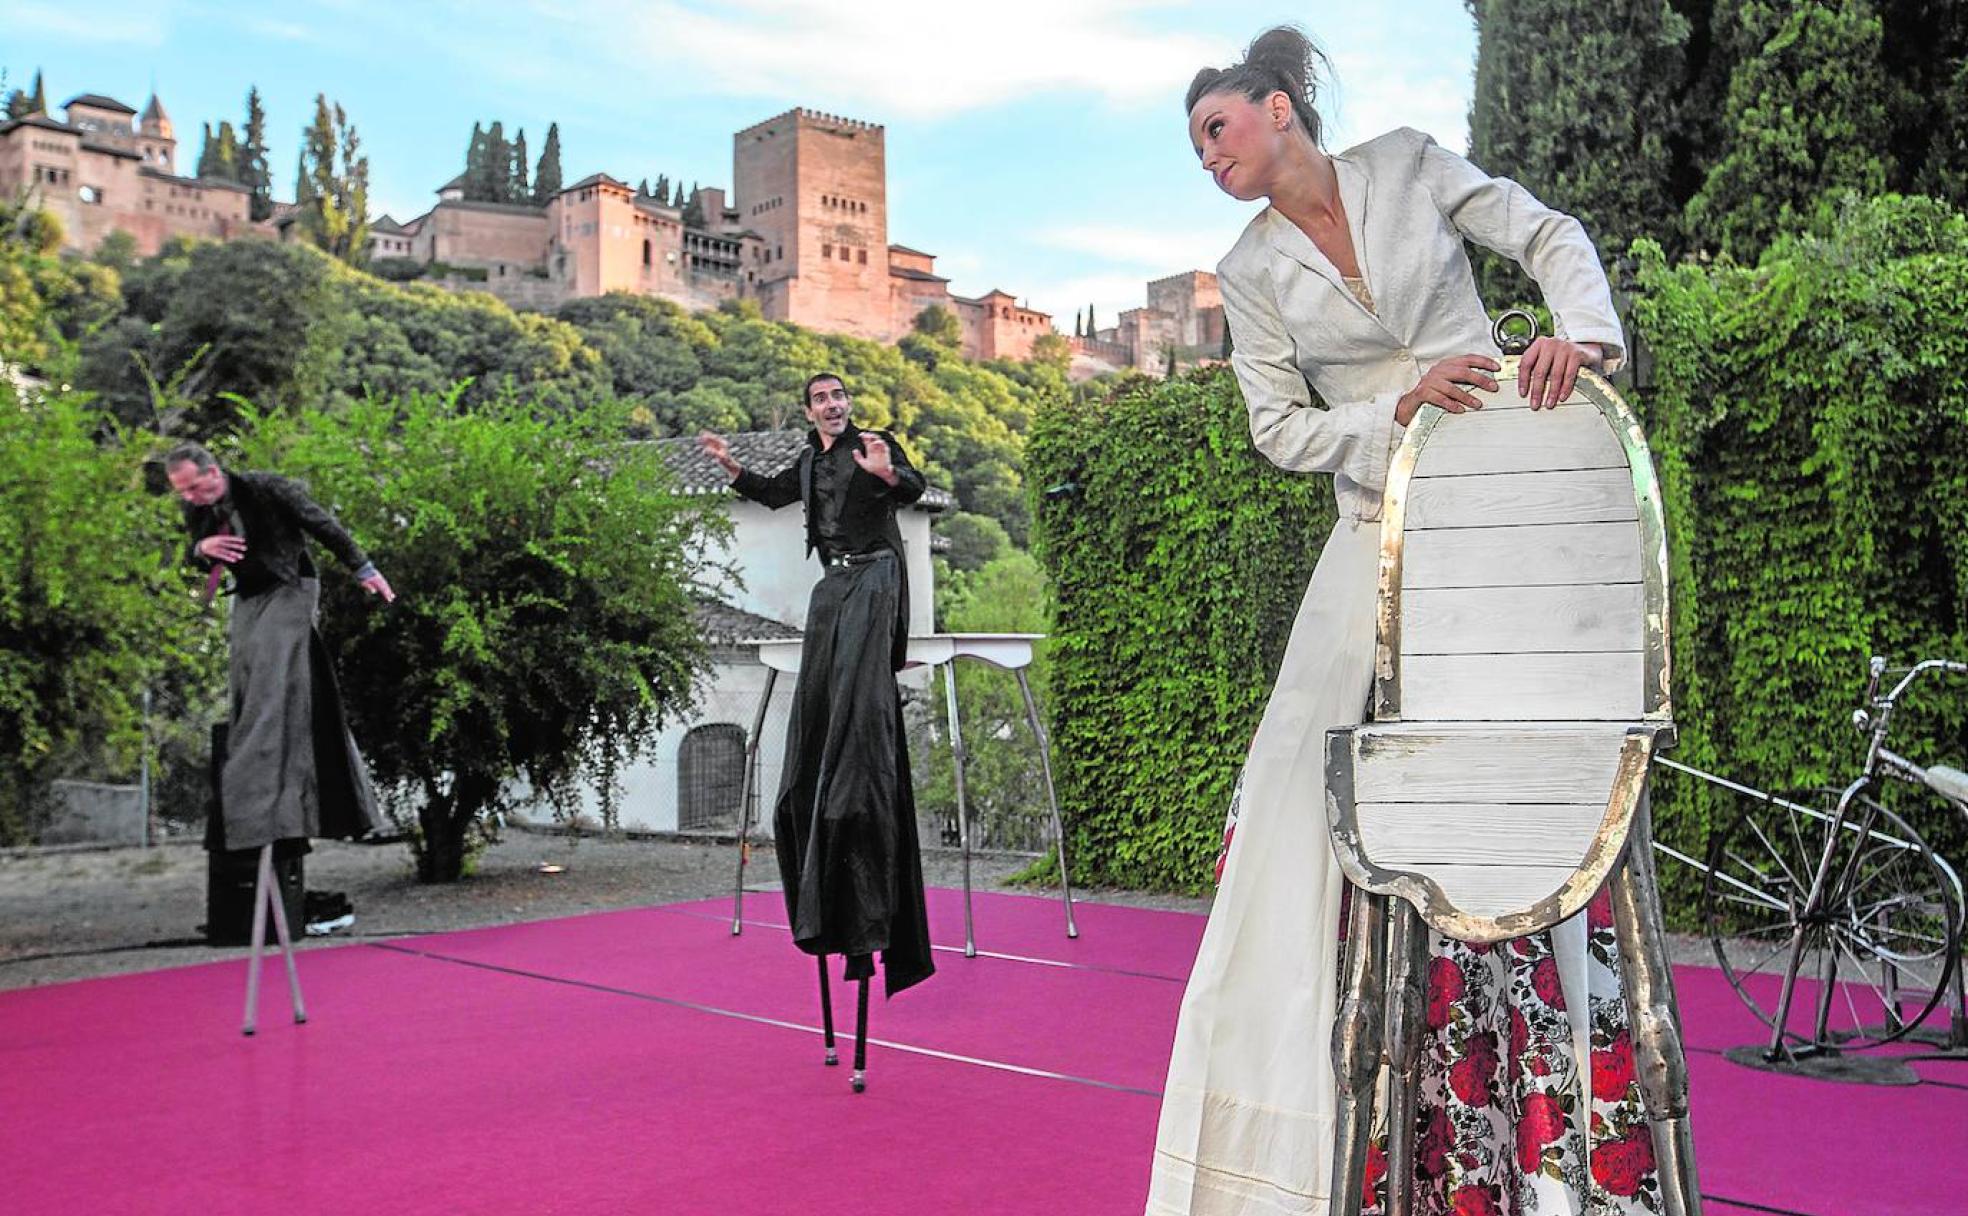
650,1061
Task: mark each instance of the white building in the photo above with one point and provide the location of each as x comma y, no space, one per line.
690,776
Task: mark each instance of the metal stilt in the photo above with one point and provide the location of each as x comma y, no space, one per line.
1661,1062
827,1014
1356,1046
267,894
1407,993
859,1081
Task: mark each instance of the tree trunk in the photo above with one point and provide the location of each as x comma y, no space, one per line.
447,822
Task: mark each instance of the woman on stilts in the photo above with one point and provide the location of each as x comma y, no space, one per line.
1354,284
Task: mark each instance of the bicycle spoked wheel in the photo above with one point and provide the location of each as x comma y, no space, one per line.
1875,957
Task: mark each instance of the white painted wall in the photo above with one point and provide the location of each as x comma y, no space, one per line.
768,550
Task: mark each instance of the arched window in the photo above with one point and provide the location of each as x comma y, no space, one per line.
710,777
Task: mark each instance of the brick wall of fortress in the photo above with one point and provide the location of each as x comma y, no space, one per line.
814,186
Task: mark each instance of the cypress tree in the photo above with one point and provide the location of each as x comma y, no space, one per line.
474,162
495,172
546,175
254,172
517,190
1805,117
1581,119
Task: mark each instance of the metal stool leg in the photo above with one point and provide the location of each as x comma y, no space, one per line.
1661,1063
1407,992
1052,800
1356,1046
747,797
827,1014
859,1081
963,813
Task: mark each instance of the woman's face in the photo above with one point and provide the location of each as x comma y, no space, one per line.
1239,140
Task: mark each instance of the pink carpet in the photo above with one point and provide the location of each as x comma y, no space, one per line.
648,1061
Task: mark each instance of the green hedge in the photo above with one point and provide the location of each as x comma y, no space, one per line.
1178,557
1807,417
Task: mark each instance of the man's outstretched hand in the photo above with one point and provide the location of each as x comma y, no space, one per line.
717,449
874,458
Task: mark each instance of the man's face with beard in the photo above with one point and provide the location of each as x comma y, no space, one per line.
827,405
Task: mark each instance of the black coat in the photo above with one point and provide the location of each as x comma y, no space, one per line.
278,517
869,508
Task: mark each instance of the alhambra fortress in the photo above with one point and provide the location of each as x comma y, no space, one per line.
803,231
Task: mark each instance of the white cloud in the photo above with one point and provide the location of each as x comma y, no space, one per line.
1154,251
141,26
284,31
903,59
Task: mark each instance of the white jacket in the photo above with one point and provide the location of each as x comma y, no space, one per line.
1409,203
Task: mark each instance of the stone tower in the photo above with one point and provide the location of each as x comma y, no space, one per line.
815,188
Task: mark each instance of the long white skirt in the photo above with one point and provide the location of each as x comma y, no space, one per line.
1247,1113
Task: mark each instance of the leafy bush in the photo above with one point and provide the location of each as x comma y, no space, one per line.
544,572
94,606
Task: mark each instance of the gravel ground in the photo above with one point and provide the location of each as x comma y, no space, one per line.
75,914
72,915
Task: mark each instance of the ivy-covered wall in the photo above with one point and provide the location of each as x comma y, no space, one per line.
1809,417
1178,557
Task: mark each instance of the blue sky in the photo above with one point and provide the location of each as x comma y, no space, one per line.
1033,145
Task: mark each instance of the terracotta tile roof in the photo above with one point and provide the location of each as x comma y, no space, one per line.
764,453
724,625
98,101
35,120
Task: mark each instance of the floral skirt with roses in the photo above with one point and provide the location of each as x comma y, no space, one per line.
1507,1123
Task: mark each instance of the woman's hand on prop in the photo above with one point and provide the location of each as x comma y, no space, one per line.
1550,367
1442,385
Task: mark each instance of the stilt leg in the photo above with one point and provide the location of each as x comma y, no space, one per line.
1658,1055
963,813
827,1014
747,797
859,1081
1356,1046
261,881
1407,992
278,902
1052,800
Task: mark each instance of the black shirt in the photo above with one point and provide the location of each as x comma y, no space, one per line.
851,511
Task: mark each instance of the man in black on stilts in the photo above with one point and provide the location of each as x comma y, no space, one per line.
844,827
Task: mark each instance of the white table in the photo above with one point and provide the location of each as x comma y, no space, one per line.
1007,651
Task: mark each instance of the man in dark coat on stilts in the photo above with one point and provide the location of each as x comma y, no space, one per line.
845,824
291,770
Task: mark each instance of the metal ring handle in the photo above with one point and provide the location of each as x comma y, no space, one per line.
1512,344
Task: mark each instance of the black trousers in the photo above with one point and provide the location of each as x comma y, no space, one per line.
845,822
